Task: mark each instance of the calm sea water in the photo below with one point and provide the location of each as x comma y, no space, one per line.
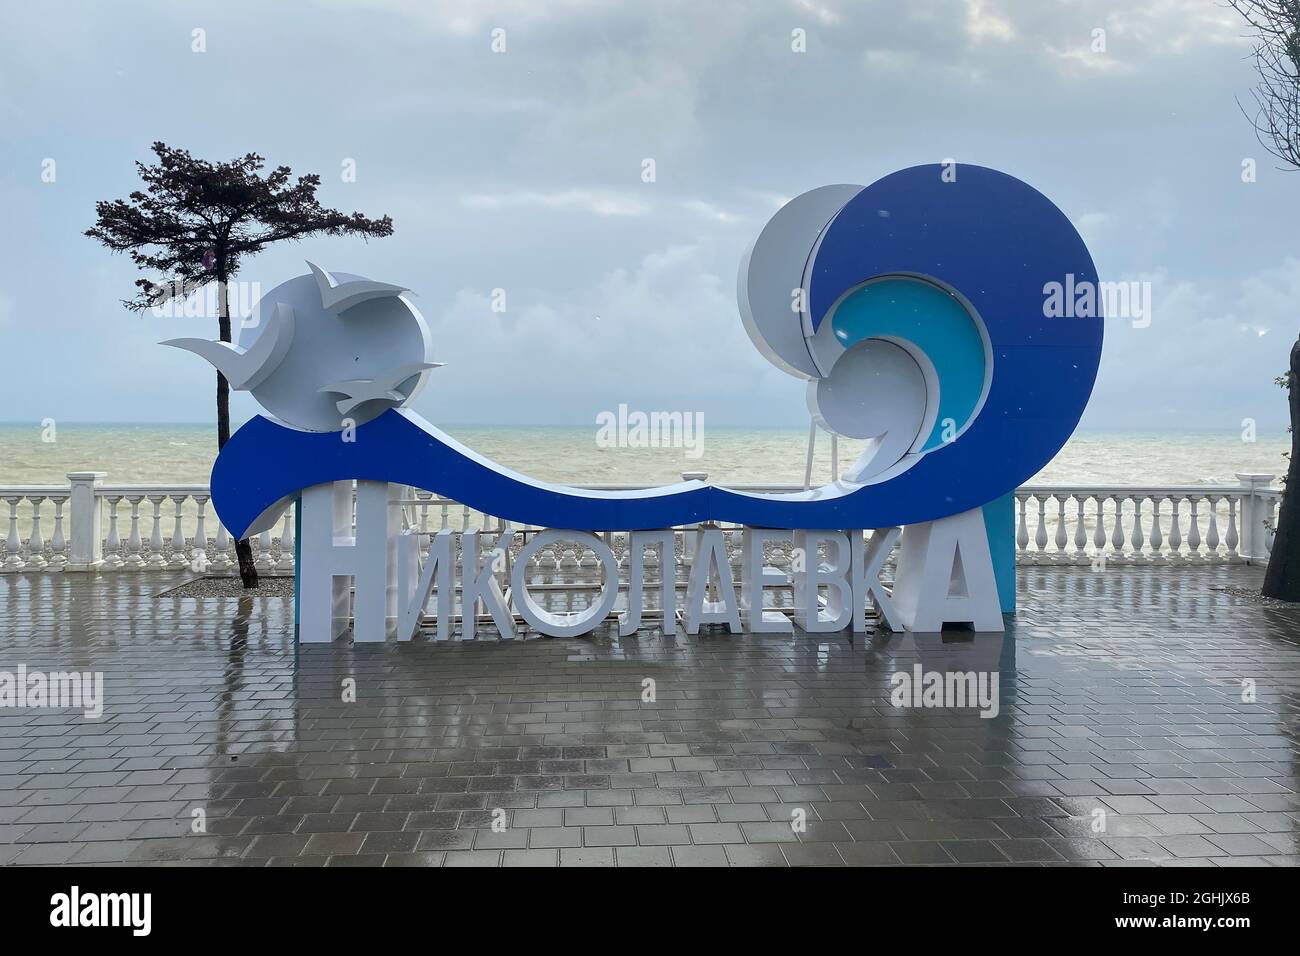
183,454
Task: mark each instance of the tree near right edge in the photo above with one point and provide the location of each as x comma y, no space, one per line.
1282,580
1277,125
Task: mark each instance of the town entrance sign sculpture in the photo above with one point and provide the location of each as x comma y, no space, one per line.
914,308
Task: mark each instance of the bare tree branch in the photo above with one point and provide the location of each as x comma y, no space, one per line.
1276,113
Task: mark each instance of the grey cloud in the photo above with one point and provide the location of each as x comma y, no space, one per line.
522,171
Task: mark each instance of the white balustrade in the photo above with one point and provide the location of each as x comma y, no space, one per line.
1053,525
27,506
153,528
1189,524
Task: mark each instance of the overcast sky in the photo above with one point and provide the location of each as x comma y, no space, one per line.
522,170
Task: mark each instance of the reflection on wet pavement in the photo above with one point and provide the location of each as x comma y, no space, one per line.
1141,716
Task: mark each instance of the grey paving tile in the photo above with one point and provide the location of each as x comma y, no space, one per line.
812,854
570,856
711,776
648,856
700,856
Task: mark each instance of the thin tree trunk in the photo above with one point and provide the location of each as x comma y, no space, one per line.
1282,580
243,547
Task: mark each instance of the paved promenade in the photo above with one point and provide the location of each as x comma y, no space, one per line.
1122,737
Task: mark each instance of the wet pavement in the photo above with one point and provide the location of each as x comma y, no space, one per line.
1143,717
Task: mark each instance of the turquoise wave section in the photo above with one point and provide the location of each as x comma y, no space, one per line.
937,323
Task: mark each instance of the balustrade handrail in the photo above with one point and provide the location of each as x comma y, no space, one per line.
204,490
1088,491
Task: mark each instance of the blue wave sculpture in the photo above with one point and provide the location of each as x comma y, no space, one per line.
989,239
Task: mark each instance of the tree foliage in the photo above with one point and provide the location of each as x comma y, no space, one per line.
195,222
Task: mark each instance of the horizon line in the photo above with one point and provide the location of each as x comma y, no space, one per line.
1147,429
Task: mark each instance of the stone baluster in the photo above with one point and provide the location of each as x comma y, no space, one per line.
1212,531
58,543
36,543
221,559
1270,527
13,544
134,545
1194,529
156,557
262,559
425,498
1099,533
1117,535
201,531
1230,539
179,558
1157,538
1022,530
1175,531
1062,537
286,542
1040,536
1080,533
1135,539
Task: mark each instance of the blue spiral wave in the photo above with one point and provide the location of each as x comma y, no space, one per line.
988,237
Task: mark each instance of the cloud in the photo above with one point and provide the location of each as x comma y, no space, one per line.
1212,339
466,17
1089,58
711,211
522,171
598,202
1176,27
983,22
821,12
636,336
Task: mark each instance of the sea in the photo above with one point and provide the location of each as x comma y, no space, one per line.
36,454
